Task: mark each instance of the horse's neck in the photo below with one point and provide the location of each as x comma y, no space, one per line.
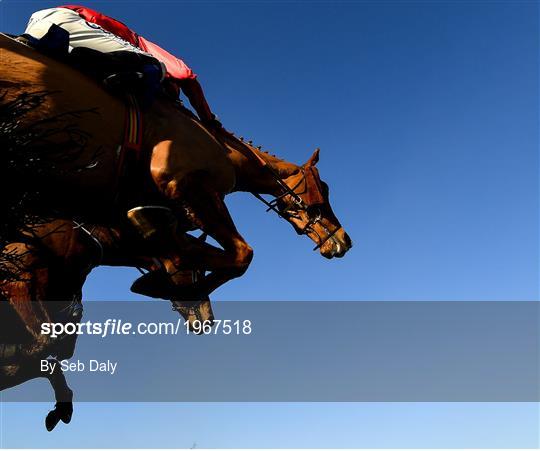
252,175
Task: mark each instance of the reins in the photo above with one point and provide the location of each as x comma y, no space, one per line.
286,190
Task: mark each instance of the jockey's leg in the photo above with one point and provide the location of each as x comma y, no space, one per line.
100,53
121,71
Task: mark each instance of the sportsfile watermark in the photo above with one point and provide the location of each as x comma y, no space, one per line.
121,327
296,351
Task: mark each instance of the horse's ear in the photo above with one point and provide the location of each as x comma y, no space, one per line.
314,158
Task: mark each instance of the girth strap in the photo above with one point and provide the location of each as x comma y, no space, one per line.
132,133
130,151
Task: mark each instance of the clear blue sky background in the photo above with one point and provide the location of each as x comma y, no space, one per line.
427,117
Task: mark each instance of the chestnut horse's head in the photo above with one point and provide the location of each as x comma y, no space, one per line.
306,205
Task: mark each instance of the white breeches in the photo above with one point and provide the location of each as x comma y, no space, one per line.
81,32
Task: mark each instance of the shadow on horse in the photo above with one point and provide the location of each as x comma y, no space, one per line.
181,166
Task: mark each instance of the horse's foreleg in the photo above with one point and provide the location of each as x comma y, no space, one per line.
212,216
63,409
13,375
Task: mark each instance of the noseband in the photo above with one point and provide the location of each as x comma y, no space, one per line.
315,198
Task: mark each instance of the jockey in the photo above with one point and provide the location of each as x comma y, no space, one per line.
89,29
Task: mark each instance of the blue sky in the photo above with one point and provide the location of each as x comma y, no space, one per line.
426,114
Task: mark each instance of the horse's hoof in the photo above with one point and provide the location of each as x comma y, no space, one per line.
189,294
155,284
65,411
51,420
62,411
195,313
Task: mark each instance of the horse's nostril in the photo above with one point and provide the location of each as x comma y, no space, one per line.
347,240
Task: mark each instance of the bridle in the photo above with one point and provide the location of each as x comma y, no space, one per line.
298,202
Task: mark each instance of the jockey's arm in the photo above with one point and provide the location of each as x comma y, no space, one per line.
193,91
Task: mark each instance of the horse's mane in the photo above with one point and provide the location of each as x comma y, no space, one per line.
281,166
231,140
259,149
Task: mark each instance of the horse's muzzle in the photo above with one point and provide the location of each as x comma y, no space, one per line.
337,246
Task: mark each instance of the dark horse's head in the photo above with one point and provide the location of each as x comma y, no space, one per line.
306,206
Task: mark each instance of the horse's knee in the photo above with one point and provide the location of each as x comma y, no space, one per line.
244,255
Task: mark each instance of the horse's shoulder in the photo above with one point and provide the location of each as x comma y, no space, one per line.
183,147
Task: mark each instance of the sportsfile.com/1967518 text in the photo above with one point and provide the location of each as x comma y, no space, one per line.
119,327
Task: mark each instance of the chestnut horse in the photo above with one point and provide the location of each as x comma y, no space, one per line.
50,265
63,253
185,165
182,162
